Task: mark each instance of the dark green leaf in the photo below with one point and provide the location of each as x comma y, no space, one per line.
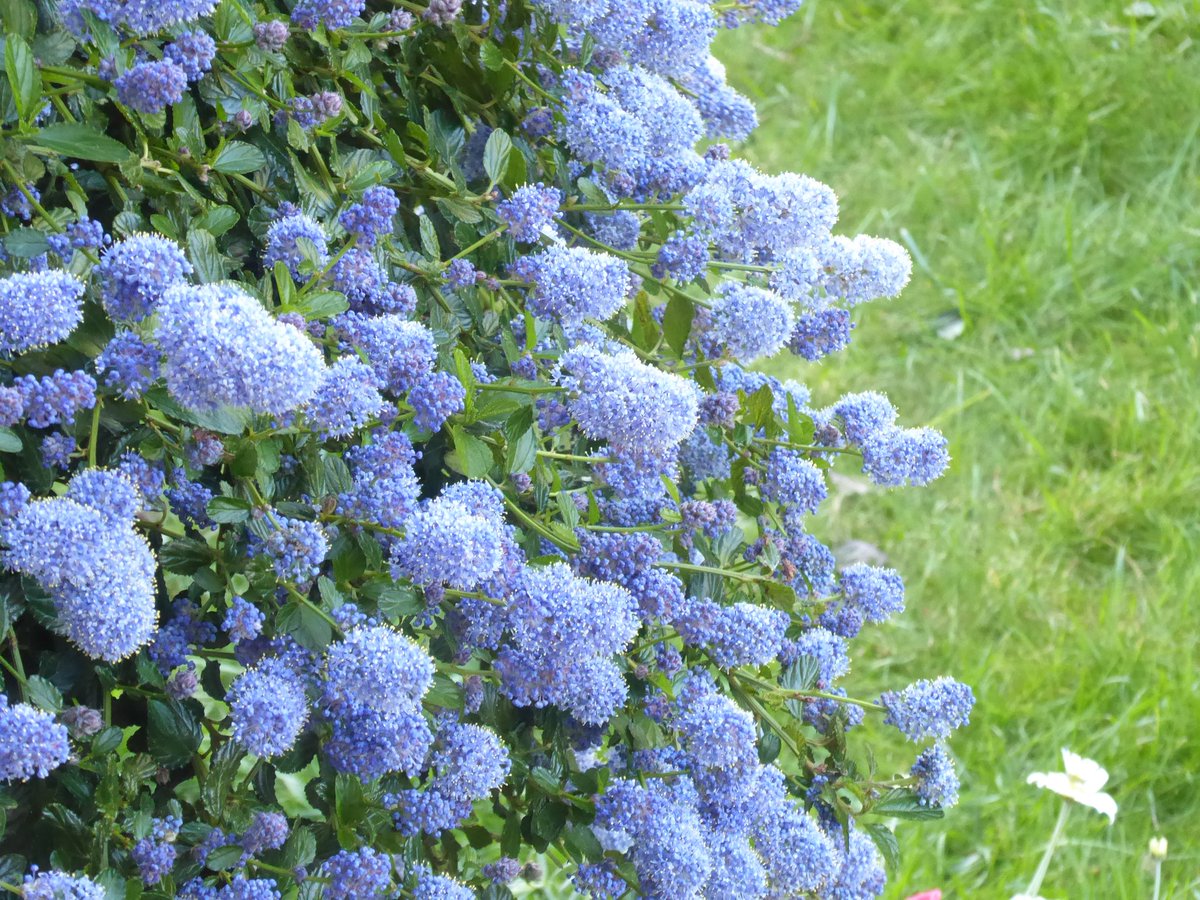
224,858
491,56
26,243
185,556
202,251
43,694
229,510
172,732
429,239
885,841
219,780
82,142
10,442
239,158
305,624
902,803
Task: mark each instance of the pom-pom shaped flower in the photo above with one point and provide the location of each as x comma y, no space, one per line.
150,87
937,782
297,548
571,284
631,405
38,309
346,400
385,489
530,210
110,492
222,348
793,480
268,708
55,885
929,709
355,874
136,273
192,51
332,14
293,240
130,364
400,353
372,217
752,323
565,632
375,667
32,744
893,457
864,268
435,399
445,543
99,572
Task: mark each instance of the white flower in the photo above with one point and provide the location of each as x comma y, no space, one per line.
1027,897
1081,782
1158,847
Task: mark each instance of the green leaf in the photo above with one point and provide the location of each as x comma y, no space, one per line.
10,441
229,510
26,85
491,56
429,239
677,322
902,803
185,556
26,243
82,142
495,155
172,732
43,694
218,220
885,841
471,456
221,775
305,624
239,158
319,305
203,252
224,858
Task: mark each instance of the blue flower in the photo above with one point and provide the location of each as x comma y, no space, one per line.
937,782
56,399
192,51
371,218
445,543
267,708
354,874
54,885
297,548
861,872
752,323
571,284
401,353
308,14
99,572
929,709
530,210
435,399
135,274
32,744
129,364
385,489
346,400
222,348
893,456
150,87
793,480
38,309
283,244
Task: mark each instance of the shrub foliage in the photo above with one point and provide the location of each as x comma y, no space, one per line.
389,507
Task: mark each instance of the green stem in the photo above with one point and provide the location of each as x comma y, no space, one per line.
518,389
95,433
825,695
712,570
1060,826
482,242
571,457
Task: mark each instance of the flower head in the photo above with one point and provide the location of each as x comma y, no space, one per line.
1081,781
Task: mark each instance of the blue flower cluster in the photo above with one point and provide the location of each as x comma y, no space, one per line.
38,309
32,744
571,284
222,348
530,210
135,274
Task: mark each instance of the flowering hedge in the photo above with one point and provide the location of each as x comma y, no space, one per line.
389,508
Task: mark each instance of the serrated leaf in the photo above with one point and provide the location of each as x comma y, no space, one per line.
902,803
205,257
185,556
26,243
429,239
172,732
43,694
491,56
885,841
495,155
229,510
239,158
81,142
219,780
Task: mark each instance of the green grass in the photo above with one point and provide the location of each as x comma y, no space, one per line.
1041,162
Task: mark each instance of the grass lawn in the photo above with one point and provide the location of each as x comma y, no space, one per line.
1041,162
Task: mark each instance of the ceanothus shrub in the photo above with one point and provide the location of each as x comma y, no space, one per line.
388,508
